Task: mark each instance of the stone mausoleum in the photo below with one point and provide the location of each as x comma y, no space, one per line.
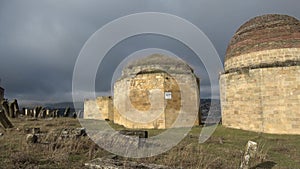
153,92
260,89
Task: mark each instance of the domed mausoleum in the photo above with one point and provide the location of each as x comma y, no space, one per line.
156,91
260,89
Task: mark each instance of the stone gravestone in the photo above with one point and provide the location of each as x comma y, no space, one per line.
26,112
74,115
250,152
37,111
67,112
23,111
42,113
47,113
5,107
34,112
4,120
11,110
56,113
16,108
30,113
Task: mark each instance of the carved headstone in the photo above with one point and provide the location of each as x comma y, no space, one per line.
250,151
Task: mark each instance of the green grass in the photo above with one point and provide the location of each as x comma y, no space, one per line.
16,153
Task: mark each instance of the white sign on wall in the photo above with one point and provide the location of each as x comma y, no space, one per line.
168,95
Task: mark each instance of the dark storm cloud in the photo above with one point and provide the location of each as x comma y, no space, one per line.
40,40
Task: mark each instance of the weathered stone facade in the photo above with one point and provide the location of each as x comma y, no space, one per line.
101,108
140,96
260,89
153,92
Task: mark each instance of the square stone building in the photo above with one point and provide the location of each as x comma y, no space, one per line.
153,92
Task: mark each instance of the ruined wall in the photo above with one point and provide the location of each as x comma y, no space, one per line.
100,109
105,105
262,99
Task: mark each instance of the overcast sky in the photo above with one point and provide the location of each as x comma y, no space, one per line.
40,40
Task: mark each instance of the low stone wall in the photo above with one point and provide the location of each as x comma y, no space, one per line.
101,108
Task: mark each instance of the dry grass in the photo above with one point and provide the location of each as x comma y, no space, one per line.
52,152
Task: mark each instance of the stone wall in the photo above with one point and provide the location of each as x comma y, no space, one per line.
101,108
262,99
263,57
141,94
140,101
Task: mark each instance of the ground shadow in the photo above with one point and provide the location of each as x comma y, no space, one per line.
265,165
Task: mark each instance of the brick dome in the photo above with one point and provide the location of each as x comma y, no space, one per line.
266,32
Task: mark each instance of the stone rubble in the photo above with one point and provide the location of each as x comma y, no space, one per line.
114,163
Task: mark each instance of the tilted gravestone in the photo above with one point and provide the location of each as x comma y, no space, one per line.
42,113
5,107
251,149
67,112
36,111
4,120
